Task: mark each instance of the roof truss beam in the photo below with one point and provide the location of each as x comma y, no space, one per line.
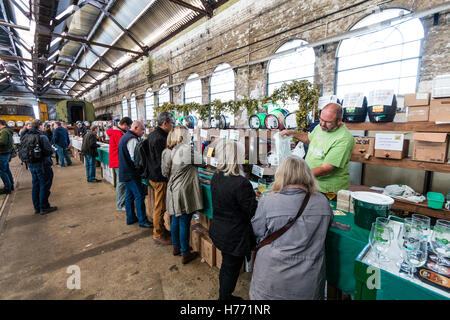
190,6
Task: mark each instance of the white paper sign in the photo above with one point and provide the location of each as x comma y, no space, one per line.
191,131
213,162
204,134
234,134
353,100
224,134
323,101
388,141
257,171
291,121
380,98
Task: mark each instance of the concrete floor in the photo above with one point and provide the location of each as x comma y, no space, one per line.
116,261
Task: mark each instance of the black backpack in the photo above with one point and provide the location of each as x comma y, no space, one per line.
140,158
30,150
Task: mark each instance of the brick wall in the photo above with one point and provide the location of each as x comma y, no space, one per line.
250,30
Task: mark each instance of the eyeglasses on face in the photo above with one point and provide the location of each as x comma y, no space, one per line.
327,122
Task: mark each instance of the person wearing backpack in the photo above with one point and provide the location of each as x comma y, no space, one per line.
6,148
61,142
89,150
135,193
35,150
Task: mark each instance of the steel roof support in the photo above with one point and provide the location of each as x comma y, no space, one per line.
41,60
189,6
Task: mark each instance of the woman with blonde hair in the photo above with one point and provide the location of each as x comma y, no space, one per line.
293,265
184,195
234,204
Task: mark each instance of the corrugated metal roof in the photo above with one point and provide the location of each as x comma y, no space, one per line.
148,21
144,24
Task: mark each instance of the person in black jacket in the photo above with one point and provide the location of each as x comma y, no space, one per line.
157,143
41,171
234,204
89,150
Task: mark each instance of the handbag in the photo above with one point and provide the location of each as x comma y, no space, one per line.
275,235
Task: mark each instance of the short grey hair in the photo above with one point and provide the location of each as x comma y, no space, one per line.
136,124
94,127
164,116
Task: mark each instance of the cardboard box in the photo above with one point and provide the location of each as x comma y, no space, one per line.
204,221
418,113
393,154
417,99
430,147
218,258
391,146
208,251
440,110
364,146
195,239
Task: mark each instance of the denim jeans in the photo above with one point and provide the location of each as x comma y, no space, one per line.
134,198
89,162
63,153
42,178
120,191
180,228
5,173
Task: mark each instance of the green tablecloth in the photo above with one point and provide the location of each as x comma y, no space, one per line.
342,248
103,155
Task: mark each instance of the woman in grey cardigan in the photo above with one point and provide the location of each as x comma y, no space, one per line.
184,195
292,266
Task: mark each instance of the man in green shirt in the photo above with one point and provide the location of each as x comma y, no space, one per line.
329,151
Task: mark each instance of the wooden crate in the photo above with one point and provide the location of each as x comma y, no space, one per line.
208,251
218,258
204,221
195,240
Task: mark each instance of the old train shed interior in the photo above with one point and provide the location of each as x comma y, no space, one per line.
220,67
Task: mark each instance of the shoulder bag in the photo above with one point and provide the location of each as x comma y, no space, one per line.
275,235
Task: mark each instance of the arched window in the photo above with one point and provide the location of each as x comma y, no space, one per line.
385,59
149,106
133,107
163,94
193,93
124,107
222,83
296,65
193,89
221,86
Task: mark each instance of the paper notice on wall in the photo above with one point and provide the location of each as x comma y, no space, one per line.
234,135
380,98
191,131
224,134
204,134
353,100
387,141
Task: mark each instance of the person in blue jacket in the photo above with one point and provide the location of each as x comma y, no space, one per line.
61,142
